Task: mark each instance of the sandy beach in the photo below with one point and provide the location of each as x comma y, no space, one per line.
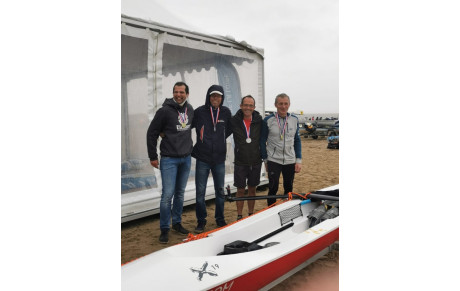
320,168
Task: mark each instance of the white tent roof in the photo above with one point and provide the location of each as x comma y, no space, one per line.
213,38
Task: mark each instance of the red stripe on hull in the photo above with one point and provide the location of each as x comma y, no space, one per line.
266,274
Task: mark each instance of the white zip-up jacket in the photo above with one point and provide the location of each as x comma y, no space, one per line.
286,150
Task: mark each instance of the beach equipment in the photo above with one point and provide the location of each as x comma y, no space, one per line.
254,253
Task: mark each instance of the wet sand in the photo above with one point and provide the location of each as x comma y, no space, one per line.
320,168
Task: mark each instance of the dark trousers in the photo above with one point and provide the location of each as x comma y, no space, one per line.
274,171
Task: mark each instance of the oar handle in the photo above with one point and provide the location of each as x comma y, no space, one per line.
313,196
231,198
322,197
272,233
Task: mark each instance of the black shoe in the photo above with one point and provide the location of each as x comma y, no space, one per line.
200,227
179,228
221,223
164,236
239,217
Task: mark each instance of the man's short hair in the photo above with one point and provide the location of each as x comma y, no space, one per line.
282,95
248,96
181,84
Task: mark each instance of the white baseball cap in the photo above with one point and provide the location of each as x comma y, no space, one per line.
218,92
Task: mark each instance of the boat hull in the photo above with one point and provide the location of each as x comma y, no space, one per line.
264,275
196,265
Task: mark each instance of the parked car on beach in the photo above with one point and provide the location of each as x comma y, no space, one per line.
319,128
335,129
333,142
333,139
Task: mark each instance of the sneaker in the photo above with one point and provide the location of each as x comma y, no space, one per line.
179,228
221,223
200,227
164,236
239,217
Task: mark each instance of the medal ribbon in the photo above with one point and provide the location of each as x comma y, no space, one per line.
248,130
217,117
279,124
182,115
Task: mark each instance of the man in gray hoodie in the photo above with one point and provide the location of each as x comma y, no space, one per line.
280,146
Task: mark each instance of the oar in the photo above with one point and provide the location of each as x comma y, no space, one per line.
240,246
317,195
243,246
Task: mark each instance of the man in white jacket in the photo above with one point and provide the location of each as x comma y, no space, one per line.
280,146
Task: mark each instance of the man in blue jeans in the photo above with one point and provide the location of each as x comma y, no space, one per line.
173,123
212,124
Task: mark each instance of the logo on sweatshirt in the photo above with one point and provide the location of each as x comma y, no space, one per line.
182,118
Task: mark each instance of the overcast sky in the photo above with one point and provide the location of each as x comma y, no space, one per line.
300,39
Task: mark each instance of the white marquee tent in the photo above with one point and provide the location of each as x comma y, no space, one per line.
153,58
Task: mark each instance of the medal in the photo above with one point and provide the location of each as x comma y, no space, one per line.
248,131
217,117
279,125
183,118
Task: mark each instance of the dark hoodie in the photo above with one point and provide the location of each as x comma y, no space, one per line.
177,141
247,154
211,146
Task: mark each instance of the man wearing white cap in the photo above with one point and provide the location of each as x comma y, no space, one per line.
212,124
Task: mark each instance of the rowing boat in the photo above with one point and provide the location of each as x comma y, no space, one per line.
255,253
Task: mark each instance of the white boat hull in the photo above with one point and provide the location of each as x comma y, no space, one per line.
195,265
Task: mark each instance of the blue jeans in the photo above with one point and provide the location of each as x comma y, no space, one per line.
201,179
174,176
